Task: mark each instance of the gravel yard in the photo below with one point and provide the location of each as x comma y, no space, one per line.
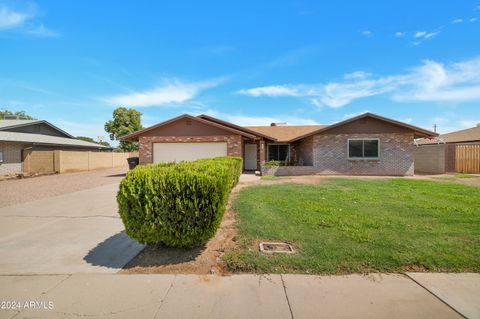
18,191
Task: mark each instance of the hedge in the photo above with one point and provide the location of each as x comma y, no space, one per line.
177,204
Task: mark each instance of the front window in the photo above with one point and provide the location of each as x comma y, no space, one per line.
278,152
363,148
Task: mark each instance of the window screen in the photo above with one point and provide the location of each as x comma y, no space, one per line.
278,153
364,148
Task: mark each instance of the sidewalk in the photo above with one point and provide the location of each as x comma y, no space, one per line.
240,296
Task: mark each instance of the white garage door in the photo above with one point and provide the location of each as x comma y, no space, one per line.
177,152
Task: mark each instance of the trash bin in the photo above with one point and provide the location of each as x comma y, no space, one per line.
132,162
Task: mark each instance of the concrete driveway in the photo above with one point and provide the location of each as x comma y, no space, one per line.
78,232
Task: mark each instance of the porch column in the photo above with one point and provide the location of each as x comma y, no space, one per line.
260,153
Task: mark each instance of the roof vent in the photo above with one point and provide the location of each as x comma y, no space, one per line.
278,124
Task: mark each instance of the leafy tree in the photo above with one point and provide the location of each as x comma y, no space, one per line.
125,121
20,114
104,143
86,139
91,140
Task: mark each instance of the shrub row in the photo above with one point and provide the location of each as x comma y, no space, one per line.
177,204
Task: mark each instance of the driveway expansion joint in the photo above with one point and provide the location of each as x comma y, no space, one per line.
286,297
434,295
165,297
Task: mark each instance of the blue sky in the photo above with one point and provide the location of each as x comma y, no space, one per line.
250,62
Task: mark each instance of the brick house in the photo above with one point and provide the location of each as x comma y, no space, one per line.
18,138
367,144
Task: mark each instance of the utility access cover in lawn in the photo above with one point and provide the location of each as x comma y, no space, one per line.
355,225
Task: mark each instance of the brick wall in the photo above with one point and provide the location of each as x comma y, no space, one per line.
396,155
290,171
12,158
450,157
305,151
234,144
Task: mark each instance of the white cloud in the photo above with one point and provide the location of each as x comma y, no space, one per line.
455,21
350,115
244,120
366,33
469,123
473,19
339,94
419,34
356,75
170,92
425,34
42,31
434,81
450,123
23,22
273,90
254,121
400,34
11,19
431,35
431,81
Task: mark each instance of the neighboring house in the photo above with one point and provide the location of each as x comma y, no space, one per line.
18,137
437,155
367,144
469,135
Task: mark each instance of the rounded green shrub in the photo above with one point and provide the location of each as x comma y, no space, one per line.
177,204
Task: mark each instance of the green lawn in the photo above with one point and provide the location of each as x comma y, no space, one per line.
353,225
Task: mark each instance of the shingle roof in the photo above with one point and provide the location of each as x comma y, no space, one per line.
279,133
46,140
9,123
285,133
134,136
467,135
6,125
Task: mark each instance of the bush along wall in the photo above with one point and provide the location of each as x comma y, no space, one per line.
177,204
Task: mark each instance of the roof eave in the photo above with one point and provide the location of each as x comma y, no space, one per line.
417,130
35,123
238,127
59,144
134,136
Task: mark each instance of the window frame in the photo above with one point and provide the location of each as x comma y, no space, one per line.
268,151
363,148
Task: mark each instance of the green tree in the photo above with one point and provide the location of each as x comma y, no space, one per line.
20,114
104,143
125,121
91,140
86,139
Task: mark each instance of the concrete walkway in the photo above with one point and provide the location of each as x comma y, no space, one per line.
72,233
239,296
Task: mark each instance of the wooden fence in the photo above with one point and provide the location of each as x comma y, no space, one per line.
49,161
467,158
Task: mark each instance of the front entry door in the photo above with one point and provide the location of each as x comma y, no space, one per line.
250,156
